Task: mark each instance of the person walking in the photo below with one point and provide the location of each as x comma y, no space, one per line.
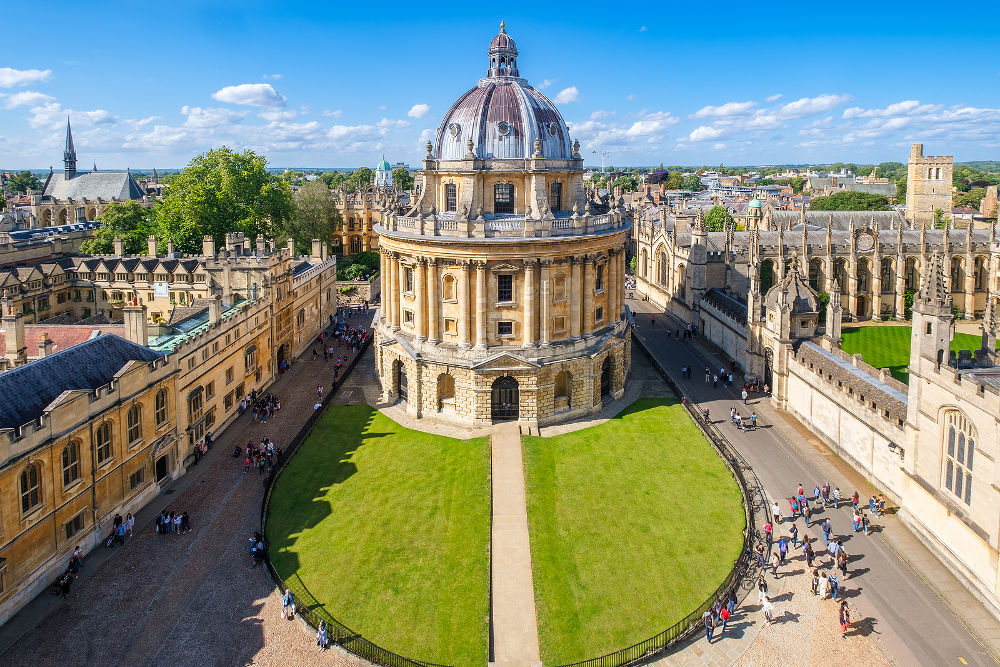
810,553
288,605
782,549
825,491
827,529
731,601
709,622
744,395
319,391
836,498
776,512
834,585
806,514
768,534
761,588
768,608
823,585
844,618
815,582
793,532
864,522
774,564
724,614
322,638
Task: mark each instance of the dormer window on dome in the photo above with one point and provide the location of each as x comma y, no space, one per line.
503,55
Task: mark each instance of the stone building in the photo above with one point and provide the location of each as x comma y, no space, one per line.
928,186
502,288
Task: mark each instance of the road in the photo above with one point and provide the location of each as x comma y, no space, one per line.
915,624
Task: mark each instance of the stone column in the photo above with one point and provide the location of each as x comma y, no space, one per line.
480,304
433,302
545,321
393,299
464,317
852,287
400,290
530,304
383,277
419,324
900,266
588,295
575,288
876,287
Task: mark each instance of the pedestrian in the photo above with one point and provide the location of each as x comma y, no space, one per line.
129,523
881,505
724,614
768,608
177,523
774,564
842,561
834,585
826,493
816,494
246,465
319,391
768,533
782,549
872,505
806,514
731,601
845,619
185,522
65,582
761,588
776,512
322,639
288,605
827,529
864,522
794,504
78,557
744,395
823,584
709,622
815,582
836,498
759,552
794,534
854,500
810,553
753,419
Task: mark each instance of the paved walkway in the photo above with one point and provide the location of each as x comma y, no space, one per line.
515,627
919,611
184,599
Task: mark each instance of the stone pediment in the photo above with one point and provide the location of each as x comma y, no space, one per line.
505,267
504,362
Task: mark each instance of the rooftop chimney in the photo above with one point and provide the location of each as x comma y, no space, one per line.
119,246
13,327
44,345
136,329
291,248
151,246
215,309
317,250
208,246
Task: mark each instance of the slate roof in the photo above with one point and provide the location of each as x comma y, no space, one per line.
92,185
89,365
841,219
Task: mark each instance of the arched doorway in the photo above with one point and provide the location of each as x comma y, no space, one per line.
606,376
401,380
505,399
282,354
768,368
863,313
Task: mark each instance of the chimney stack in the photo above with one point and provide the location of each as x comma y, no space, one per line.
119,246
260,244
151,246
291,248
317,250
13,327
215,309
208,246
44,345
136,329
170,248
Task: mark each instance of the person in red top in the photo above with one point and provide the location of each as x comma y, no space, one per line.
801,490
724,617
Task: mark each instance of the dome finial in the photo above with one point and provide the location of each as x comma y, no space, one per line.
502,27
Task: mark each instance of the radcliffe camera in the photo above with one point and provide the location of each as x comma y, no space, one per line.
341,334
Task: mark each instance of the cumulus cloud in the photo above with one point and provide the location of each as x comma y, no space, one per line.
725,110
332,114
706,132
649,128
389,123
810,106
906,107
52,115
773,98
650,124
275,115
418,110
26,98
546,83
10,77
567,95
211,117
250,94
599,114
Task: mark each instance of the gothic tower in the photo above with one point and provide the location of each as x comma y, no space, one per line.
928,186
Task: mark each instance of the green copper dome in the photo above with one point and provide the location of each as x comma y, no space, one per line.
754,203
383,165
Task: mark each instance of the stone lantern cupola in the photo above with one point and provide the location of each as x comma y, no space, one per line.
503,55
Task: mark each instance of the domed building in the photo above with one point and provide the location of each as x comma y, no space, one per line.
502,287
383,174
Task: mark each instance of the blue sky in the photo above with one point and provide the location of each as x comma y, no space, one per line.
317,84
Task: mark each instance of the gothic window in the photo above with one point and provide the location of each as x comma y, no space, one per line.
979,271
71,462
643,265
888,276
300,319
912,277
815,273
555,196
195,404
449,287
160,407
960,444
102,442
662,278
450,197
864,276
31,489
134,424
503,198
250,358
957,275
505,287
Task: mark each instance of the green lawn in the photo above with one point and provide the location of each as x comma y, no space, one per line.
389,530
889,346
633,524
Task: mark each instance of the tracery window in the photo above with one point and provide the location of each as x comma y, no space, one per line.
31,489
960,444
71,462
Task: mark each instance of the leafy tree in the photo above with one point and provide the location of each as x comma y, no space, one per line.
315,216
939,220
401,179
627,183
167,179
675,180
901,189
223,191
824,300
361,265
908,303
767,181
127,220
850,201
633,265
23,181
717,218
333,179
972,198
692,182
362,178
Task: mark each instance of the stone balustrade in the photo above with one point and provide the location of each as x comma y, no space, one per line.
507,226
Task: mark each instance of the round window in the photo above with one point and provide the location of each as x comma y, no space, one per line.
553,128
454,129
503,127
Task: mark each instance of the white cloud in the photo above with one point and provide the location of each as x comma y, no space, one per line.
773,98
567,95
546,83
418,110
389,123
332,114
275,115
651,124
906,107
27,98
250,94
273,76
725,110
211,116
706,132
809,106
719,146
19,77
52,115
599,114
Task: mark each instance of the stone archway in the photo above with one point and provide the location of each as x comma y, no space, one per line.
607,378
505,399
401,389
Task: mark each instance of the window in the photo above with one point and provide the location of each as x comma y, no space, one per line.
250,358
136,479
31,489
555,196
134,424
228,401
210,418
450,326
71,463
210,390
408,279
240,391
160,407
505,287
599,315
195,402
229,375
503,198
102,440
449,287
450,197
300,319
408,317
599,278
74,525
961,444
505,328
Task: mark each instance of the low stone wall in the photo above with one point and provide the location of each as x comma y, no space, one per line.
360,291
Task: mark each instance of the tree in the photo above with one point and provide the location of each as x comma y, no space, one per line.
223,191
972,198
333,179
401,178
850,201
692,182
315,216
23,181
627,183
675,180
940,222
127,220
362,178
717,218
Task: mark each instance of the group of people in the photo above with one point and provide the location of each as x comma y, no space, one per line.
264,455
122,527
264,406
737,418
717,617
172,522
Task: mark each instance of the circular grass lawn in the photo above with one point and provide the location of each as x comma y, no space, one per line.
633,524
387,530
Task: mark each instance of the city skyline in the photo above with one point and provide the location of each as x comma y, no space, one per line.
666,86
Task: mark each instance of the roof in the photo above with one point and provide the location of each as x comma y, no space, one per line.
841,219
798,294
63,335
92,185
383,165
754,203
89,365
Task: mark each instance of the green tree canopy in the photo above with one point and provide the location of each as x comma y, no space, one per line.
627,183
127,220
674,180
23,181
850,201
223,191
692,182
401,179
314,216
362,178
972,198
717,217
333,179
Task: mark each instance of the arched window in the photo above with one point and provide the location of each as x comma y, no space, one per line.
979,269
160,407
912,275
957,275
300,319
449,287
102,442
503,198
31,488
888,276
864,276
960,444
133,423
643,265
71,462
816,274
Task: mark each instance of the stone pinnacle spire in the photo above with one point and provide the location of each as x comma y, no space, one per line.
69,153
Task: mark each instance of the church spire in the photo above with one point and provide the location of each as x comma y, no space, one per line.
69,153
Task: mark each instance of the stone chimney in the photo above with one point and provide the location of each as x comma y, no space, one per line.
317,250
119,246
136,329
215,309
170,248
151,246
291,248
261,247
208,246
44,345
13,327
